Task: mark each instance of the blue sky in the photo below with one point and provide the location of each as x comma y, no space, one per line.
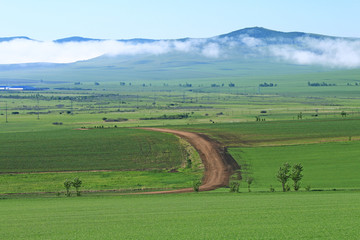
165,19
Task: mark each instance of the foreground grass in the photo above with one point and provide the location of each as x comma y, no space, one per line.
215,215
326,165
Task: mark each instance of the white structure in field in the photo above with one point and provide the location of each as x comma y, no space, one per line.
5,88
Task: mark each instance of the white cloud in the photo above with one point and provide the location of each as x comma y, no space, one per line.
28,51
191,45
211,50
327,52
251,42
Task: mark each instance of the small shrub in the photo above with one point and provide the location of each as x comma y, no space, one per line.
307,188
234,186
188,163
287,188
272,189
249,181
196,185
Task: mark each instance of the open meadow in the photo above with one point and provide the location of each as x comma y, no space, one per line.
87,130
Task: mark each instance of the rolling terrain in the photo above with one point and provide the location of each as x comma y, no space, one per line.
251,99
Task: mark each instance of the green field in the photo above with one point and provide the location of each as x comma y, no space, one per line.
45,159
326,165
93,149
121,181
216,215
76,128
281,132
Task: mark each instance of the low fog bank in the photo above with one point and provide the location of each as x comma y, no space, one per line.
329,52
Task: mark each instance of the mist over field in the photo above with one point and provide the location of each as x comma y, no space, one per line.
305,50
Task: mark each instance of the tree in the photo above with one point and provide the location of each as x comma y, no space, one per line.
249,181
296,175
67,185
234,186
283,175
300,116
77,184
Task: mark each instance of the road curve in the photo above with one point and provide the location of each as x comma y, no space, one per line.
219,165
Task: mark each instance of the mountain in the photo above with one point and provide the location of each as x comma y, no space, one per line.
6,39
243,50
263,33
76,39
82,39
254,32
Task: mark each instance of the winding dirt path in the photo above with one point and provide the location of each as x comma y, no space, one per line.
219,165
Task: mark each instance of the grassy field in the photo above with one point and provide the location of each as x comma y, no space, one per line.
86,104
121,181
46,158
94,149
216,215
38,134
281,132
326,166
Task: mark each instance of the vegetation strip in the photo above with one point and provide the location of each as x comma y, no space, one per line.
219,165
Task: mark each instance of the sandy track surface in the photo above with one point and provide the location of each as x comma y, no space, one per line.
219,165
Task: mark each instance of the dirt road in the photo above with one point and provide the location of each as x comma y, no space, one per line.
219,165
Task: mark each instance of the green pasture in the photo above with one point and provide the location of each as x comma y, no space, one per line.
326,165
281,132
87,104
120,181
215,215
46,158
94,149
43,135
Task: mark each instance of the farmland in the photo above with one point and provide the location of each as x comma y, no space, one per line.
104,158
95,149
83,126
87,130
327,166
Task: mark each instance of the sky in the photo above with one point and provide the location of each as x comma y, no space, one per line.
171,19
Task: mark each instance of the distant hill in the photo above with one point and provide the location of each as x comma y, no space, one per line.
191,56
254,32
76,39
263,33
6,39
